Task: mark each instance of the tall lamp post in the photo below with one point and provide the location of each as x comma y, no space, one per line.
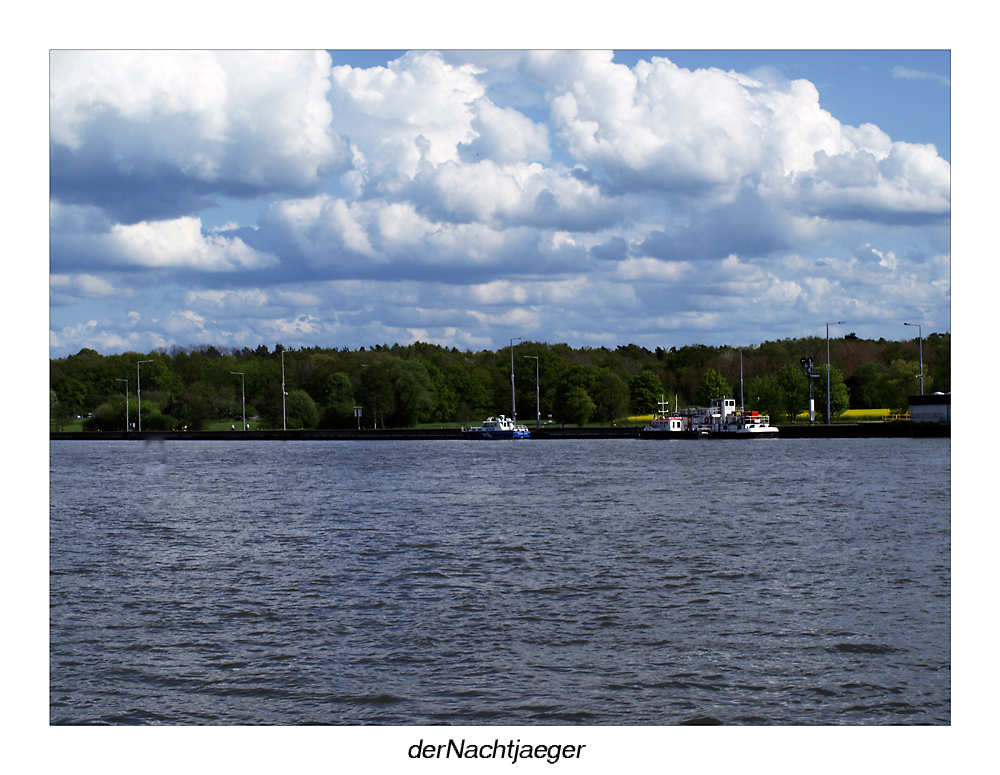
920,336
538,404
513,401
284,418
126,401
244,391
838,323
138,395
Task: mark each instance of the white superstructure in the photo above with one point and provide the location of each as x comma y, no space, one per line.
721,419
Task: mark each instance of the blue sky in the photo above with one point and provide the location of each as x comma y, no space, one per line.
594,197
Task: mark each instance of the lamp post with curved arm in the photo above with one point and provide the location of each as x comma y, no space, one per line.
538,404
513,399
920,336
838,323
284,419
244,391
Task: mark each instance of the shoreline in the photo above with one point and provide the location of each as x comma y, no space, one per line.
871,430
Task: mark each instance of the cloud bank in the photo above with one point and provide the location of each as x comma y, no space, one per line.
239,198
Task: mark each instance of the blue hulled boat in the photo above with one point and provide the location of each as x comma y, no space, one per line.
497,428
501,427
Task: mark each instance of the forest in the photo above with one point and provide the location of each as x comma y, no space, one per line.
417,384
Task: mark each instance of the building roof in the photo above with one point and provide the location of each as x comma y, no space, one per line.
932,399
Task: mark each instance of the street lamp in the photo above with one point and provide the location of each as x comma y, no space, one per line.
244,391
126,401
538,405
283,393
920,335
838,323
138,395
513,401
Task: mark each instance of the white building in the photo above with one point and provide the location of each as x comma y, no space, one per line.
933,408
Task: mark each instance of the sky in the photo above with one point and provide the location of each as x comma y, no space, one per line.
466,198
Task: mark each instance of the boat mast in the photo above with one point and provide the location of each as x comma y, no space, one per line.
741,382
513,409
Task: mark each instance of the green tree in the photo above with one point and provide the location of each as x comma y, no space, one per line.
55,412
611,396
645,391
579,407
195,410
158,374
781,396
712,385
302,411
840,399
899,382
109,416
937,362
414,398
194,386
864,386
578,375
338,408
446,399
72,393
153,418
401,393
477,393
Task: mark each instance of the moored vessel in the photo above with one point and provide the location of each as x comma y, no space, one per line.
501,427
663,422
720,420
497,428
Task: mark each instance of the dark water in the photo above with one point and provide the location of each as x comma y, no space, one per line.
540,582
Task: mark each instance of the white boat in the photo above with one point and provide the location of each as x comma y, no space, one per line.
501,427
720,420
497,428
664,421
723,419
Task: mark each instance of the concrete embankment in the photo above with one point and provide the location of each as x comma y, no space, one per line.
868,430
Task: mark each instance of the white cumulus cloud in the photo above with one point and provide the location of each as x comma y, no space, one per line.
165,127
181,243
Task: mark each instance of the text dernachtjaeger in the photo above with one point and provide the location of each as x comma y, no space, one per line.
513,750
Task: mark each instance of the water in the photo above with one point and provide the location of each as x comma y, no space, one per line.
610,582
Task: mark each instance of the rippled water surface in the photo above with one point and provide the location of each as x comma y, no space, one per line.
625,582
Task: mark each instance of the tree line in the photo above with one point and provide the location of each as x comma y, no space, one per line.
406,385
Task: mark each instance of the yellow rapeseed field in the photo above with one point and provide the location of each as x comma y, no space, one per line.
855,415
851,415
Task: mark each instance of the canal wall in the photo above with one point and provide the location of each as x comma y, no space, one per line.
867,430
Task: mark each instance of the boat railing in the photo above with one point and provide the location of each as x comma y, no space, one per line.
755,419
